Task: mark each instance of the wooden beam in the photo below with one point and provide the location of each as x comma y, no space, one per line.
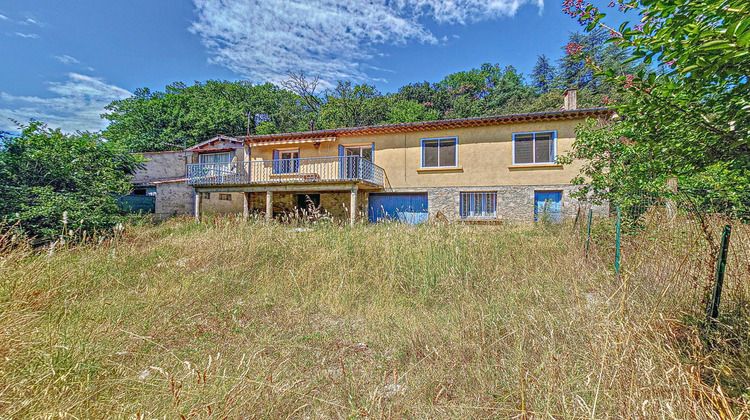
300,188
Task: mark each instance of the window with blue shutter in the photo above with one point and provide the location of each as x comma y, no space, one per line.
286,161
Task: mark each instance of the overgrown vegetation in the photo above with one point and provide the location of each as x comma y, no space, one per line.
58,185
686,118
229,319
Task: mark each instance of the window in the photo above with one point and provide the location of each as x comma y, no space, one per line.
478,205
438,153
206,196
215,165
364,151
225,197
286,161
215,158
530,148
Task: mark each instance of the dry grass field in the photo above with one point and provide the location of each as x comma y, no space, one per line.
230,319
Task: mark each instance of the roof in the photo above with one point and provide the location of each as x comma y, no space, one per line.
430,125
213,140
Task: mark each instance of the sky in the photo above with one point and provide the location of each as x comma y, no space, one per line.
64,61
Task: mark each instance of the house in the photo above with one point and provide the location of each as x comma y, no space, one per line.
476,169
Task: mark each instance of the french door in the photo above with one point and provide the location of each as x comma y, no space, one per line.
352,166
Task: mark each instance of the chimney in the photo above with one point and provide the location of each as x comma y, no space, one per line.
570,101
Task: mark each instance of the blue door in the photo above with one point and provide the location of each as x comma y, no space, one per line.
409,208
548,206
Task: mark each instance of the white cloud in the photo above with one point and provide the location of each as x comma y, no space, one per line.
66,59
76,105
3,17
23,35
333,39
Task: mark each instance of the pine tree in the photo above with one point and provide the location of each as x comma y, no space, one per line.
543,74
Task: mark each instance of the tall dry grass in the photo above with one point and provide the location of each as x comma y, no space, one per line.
228,319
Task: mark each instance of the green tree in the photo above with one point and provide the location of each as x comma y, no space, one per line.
692,113
185,115
349,105
543,75
402,111
45,174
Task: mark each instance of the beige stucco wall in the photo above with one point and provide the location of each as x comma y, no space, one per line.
216,205
485,156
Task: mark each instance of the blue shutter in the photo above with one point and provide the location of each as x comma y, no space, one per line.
372,153
276,162
342,163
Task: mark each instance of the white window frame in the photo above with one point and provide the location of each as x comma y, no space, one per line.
361,147
468,198
282,161
533,146
201,157
421,142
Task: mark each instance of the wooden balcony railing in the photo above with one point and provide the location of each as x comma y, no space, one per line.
286,171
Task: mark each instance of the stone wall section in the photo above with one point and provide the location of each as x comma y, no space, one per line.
161,166
514,203
173,199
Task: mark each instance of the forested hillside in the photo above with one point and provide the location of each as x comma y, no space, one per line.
183,115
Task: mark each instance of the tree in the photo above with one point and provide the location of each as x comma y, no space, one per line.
185,115
349,105
402,111
52,183
693,113
543,74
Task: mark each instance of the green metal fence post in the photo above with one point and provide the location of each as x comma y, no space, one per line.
721,265
617,244
588,235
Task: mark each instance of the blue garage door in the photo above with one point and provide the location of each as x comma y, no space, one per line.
408,208
548,206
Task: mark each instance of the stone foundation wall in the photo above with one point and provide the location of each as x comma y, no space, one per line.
514,203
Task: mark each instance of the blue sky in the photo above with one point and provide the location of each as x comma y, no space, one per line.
63,61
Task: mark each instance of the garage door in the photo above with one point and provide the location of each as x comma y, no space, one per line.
409,208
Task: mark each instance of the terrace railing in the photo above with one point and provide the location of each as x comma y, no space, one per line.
286,171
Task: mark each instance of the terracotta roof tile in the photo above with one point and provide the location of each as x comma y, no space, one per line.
432,125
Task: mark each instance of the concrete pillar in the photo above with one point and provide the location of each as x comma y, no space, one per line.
269,205
353,206
197,207
245,205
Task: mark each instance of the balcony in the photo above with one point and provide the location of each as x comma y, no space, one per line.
339,169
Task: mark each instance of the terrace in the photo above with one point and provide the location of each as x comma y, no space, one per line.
286,172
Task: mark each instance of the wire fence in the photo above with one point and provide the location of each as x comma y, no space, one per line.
672,243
